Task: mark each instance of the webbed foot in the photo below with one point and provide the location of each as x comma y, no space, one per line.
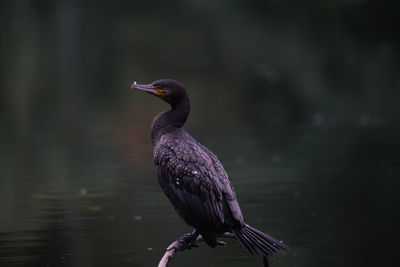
187,241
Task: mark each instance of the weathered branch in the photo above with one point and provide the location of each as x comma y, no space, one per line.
187,241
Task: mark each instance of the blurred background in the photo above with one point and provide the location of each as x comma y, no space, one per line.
300,101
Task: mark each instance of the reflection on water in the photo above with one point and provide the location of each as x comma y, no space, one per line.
96,202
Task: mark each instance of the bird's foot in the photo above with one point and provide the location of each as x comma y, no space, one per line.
186,241
190,240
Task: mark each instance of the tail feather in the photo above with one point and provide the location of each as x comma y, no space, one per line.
246,243
263,247
259,243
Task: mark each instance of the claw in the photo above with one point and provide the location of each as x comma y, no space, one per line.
220,243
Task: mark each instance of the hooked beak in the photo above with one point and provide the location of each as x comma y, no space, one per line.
157,91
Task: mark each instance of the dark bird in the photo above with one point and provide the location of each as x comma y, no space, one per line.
194,179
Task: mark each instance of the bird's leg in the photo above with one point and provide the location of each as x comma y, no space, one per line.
186,241
191,239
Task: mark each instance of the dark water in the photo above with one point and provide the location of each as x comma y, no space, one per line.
300,103
69,202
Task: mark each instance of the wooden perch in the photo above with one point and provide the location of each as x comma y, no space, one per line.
189,241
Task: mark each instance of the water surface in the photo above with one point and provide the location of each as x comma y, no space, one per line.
90,198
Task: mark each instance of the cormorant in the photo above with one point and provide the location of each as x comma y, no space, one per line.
194,179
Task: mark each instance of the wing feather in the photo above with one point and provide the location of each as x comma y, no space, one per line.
196,183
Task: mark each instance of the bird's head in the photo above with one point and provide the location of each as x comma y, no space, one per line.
168,90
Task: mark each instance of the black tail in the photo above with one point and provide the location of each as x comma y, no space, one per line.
259,243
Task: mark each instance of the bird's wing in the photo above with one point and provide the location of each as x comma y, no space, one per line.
199,190
228,191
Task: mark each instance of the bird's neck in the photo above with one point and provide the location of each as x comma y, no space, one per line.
169,120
